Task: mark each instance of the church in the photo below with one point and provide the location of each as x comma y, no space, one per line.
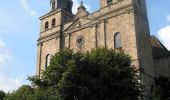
118,24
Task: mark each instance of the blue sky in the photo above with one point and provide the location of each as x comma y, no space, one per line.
19,30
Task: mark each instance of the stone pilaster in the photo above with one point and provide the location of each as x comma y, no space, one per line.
39,53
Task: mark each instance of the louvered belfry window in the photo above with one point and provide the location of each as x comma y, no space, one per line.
53,22
46,25
117,41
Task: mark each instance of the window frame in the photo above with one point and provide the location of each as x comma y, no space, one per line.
117,41
53,5
47,60
53,24
46,25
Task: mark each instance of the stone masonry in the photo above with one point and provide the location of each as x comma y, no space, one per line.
84,31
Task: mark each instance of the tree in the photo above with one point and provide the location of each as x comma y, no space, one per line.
101,74
2,95
22,93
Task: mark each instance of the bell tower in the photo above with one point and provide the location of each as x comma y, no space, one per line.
51,31
104,3
63,4
53,4
136,13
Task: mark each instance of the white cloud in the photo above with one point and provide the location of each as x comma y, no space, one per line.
168,18
7,82
164,36
76,4
27,8
4,54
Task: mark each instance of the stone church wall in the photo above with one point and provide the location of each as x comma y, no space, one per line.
88,34
44,19
124,24
102,35
48,47
162,67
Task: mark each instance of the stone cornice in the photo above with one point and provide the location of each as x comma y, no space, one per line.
49,37
54,12
114,13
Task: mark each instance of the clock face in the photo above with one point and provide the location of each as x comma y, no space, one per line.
80,41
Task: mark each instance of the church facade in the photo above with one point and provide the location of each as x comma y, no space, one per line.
118,24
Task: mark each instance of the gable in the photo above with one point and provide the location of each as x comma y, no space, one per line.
78,23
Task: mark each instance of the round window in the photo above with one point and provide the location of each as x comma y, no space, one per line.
80,41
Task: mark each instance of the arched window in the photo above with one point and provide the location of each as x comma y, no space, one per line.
117,41
53,5
48,57
53,22
109,1
46,25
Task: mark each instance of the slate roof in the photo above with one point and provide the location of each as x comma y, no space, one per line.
158,49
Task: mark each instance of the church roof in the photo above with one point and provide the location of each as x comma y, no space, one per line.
158,49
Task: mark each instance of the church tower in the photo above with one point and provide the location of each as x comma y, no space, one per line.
64,4
51,27
131,21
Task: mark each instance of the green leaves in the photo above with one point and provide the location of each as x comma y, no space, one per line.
101,74
2,95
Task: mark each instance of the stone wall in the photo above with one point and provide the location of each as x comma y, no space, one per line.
61,17
162,67
100,33
49,40
144,46
49,47
127,17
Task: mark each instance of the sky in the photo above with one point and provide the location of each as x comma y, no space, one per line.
20,27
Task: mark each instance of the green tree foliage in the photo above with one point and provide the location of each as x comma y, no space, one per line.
101,74
2,95
21,94
28,93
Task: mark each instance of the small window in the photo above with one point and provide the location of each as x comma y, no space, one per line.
53,22
117,41
109,1
48,57
46,25
53,5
